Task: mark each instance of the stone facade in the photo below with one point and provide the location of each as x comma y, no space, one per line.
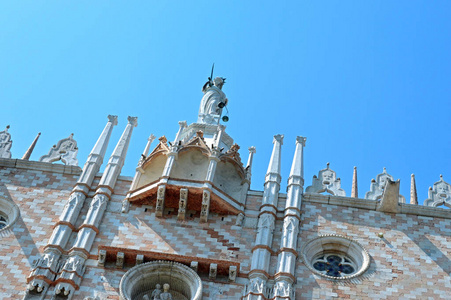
188,222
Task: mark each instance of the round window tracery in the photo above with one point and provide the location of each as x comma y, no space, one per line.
334,264
335,257
9,213
3,222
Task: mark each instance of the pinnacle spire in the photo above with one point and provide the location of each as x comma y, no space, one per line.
354,191
413,190
27,154
114,166
297,167
95,158
274,163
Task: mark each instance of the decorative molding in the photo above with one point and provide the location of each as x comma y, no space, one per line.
378,185
439,194
326,181
5,143
144,277
334,243
65,150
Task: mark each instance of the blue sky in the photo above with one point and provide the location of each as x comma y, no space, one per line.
367,82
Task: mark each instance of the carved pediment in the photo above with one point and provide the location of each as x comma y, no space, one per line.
439,194
326,181
197,141
162,147
65,150
232,154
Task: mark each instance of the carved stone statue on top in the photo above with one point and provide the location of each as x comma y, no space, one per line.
156,292
210,110
165,295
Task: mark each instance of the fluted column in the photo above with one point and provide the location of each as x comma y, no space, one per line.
261,253
285,277
47,266
72,271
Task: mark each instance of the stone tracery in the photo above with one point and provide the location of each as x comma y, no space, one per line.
439,194
326,181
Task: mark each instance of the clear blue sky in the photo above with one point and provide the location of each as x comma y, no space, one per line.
367,82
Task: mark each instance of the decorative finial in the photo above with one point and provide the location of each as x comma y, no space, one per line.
354,190
27,154
133,121
413,190
112,119
327,165
301,140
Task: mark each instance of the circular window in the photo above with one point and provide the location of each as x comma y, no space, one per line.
9,212
335,257
160,278
3,221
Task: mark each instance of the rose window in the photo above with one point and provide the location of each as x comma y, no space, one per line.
9,213
3,222
335,257
334,265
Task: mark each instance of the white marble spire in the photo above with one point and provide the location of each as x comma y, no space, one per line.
89,228
95,158
297,167
149,142
274,163
45,272
114,166
283,287
256,290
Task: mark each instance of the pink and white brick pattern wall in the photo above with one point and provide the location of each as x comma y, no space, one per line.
411,261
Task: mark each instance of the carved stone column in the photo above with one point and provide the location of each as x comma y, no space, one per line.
285,277
138,173
172,157
68,280
49,264
205,209
261,253
182,204
247,181
182,125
